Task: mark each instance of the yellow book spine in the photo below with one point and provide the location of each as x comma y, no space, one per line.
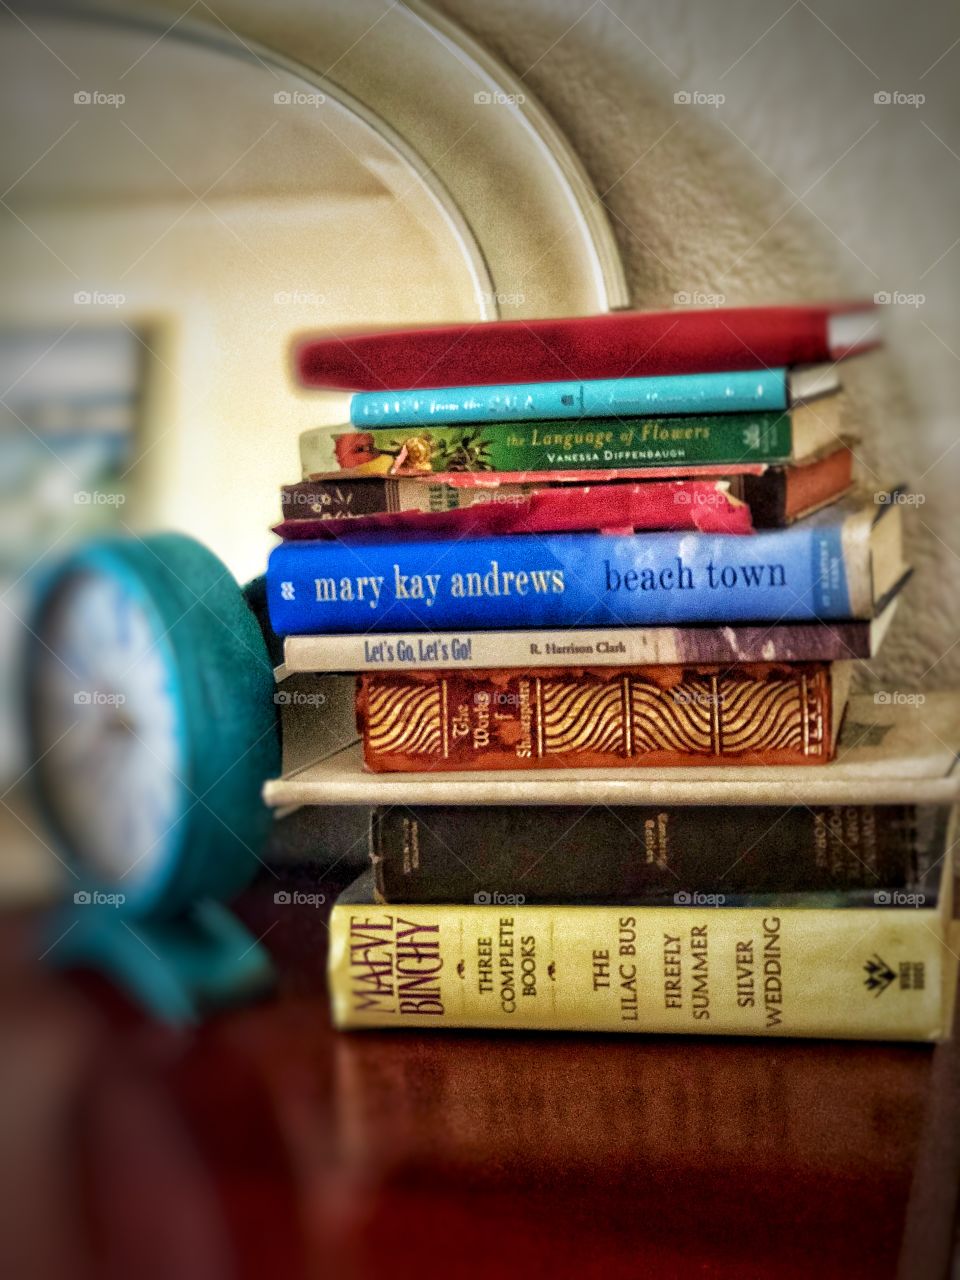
878,973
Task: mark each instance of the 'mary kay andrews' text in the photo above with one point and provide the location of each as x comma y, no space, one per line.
497,583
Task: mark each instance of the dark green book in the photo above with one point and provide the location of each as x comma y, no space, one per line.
855,855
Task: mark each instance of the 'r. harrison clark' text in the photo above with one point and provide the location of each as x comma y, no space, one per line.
370,589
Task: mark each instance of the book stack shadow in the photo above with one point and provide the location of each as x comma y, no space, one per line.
571,612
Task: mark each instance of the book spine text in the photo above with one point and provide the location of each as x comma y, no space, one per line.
660,854
352,499
597,445
692,393
585,580
563,647
759,714
874,973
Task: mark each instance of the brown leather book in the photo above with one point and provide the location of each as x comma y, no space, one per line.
751,714
788,492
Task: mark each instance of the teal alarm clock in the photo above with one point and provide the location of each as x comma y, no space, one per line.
152,728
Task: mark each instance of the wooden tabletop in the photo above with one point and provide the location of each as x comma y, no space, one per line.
266,1145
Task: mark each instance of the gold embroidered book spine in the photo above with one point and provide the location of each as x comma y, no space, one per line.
760,713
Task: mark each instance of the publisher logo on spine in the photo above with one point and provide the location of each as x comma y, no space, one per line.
486,898
877,975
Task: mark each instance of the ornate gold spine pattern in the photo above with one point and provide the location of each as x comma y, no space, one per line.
406,719
628,716
702,715
581,717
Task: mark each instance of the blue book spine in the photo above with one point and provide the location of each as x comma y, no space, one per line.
583,580
691,393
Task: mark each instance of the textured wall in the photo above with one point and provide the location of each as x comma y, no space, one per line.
798,185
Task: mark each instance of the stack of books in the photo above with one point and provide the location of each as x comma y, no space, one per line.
598,587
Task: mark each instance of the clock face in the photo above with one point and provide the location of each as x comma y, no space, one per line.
109,728
152,722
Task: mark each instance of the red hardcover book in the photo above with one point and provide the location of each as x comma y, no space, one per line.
748,714
674,504
615,345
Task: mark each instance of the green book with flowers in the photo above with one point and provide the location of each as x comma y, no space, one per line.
598,445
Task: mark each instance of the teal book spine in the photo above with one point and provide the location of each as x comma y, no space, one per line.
692,393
